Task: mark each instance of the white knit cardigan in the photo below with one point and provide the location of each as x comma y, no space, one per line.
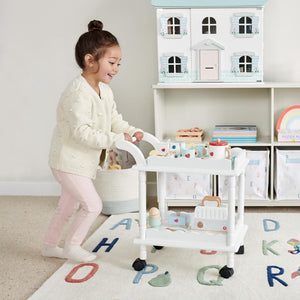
86,126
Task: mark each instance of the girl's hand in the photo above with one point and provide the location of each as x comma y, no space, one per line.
139,136
127,137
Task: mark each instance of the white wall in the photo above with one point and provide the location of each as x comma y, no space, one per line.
37,40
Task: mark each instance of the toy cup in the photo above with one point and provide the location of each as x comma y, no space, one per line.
218,150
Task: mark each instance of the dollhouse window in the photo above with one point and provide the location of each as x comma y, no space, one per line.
173,25
245,64
209,26
174,65
245,25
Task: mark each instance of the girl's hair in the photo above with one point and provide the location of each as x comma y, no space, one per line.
94,42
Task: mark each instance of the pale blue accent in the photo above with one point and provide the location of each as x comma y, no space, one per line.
254,162
228,76
255,27
163,26
266,227
185,77
164,65
183,26
208,3
255,60
292,160
184,60
120,207
235,25
235,64
126,222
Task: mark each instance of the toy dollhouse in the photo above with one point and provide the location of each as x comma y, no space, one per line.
210,40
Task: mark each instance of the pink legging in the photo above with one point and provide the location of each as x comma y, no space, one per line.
75,190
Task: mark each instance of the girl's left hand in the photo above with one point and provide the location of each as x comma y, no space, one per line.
139,136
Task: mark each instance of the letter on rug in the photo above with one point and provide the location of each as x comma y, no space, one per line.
103,243
266,228
272,276
142,272
127,222
69,277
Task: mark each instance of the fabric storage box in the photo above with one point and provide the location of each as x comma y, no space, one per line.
188,185
256,177
118,190
287,174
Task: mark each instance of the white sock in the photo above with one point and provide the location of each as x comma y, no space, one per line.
76,253
52,251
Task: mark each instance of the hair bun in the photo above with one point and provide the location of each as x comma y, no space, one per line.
95,25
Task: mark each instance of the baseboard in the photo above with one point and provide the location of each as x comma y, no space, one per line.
29,188
33,188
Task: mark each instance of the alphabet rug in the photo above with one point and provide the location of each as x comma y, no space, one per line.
268,269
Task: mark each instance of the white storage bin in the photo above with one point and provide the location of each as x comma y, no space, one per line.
287,175
188,185
118,190
256,177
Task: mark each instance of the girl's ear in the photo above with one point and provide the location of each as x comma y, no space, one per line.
89,60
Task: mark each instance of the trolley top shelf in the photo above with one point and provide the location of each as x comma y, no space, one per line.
182,164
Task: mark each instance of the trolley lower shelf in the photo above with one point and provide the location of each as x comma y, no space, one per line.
191,239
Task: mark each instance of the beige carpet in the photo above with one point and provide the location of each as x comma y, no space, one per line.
24,221
23,224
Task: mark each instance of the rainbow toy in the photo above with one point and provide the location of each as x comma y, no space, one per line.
288,125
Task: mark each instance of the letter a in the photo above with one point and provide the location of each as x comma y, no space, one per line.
126,222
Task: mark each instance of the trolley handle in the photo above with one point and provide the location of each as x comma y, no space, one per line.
135,151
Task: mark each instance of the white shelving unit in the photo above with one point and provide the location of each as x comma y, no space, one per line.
186,105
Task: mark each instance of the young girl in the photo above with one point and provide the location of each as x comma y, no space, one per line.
87,125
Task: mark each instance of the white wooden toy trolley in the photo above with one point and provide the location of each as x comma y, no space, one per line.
230,241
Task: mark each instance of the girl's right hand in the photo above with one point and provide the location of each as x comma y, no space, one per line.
127,137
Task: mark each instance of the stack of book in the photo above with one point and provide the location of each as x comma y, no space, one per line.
235,133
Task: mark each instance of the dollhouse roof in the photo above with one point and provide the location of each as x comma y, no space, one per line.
208,3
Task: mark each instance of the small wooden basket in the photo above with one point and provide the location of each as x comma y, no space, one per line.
189,135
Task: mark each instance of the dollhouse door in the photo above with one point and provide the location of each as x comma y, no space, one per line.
209,65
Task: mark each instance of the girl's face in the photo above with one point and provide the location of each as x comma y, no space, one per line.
108,65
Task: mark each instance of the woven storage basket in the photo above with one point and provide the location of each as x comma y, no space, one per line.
118,190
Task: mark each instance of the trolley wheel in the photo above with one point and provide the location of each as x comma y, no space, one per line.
158,247
226,272
241,250
139,264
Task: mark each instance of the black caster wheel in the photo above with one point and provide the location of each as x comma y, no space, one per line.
241,250
226,272
158,247
139,264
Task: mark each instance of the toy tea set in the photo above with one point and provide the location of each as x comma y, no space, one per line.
214,150
209,215
216,154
